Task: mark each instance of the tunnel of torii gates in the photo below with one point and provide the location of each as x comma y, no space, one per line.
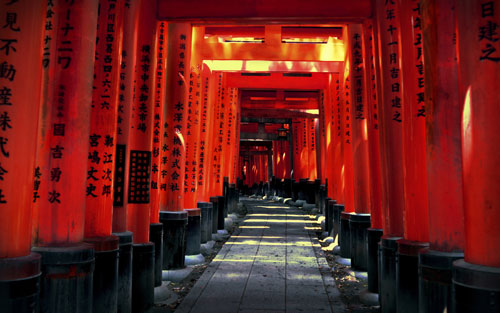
128,129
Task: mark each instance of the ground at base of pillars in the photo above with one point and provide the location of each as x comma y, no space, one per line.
273,262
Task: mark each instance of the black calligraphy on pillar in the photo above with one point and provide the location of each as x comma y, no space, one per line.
8,47
144,67
418,45
139,177
393,68
157,122
488,36
373,81
347,111
48,33
358,67
119,183
203,132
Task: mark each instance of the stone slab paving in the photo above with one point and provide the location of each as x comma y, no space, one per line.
271,265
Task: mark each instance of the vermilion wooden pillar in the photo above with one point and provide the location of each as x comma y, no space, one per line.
141,128
62,156
359,125
121,170
100,168
416,214
155,227
476,280
346,143
237,132
217,139
373,101
303,162
312,149
338,157
139,152
389,36
21,71
444,153
175,115
324,121
296,149
205,155
158,122
346,171
375,231
361,178
192,137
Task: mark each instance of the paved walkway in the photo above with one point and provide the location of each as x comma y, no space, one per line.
269,266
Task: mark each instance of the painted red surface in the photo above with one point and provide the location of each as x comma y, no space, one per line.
141,124
416,215
443,120
17,162
104,113
480,74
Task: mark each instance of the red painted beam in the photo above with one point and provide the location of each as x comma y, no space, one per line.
227,9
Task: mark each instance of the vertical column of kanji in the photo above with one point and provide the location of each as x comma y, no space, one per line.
311,149
231,135
416,226
392,158
99,210
324,118
192,136
236,134
155,227
360,221
206,132
61,173
218,126
120,184
444,154
196,227
172,214
338,157
476,279
139,151
20,47
375,232
346,171
304,154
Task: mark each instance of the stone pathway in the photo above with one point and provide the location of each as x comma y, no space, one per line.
269,266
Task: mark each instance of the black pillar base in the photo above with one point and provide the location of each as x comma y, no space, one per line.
193,232
215,214
329,216
359,223
105,285
20,284
337,211
143,271
345,235
374,236
156,237
125,272
174,238
67,275
476,288
387,272
287,188
206,223
221,216
434,280
407,274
